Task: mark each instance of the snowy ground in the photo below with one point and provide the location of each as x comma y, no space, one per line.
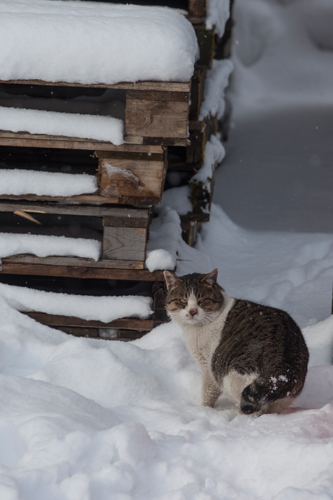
92,420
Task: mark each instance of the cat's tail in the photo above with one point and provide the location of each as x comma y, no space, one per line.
271,394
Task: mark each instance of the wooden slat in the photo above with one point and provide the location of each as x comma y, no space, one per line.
197,8
142,179
92,211
78,268
206,41
144,85
69,321
19,139
158,96
122,243
163,119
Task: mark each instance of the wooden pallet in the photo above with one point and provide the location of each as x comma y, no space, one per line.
123,232
192,157
156,113
131,175
120,329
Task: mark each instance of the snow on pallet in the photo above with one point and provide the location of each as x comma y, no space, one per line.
151,113
130,175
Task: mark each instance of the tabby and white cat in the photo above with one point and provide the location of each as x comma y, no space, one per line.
255,354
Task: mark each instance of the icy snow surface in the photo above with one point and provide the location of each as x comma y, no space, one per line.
217,14
17,182
87,42
101,128
92,420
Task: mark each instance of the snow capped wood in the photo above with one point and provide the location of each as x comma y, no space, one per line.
90,43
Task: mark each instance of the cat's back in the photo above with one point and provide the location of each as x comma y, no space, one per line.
255,336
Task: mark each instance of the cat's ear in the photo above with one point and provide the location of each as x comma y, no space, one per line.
211,277
171,279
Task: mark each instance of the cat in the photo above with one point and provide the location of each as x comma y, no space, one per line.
255,354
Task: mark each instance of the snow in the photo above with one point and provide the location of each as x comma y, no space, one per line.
18,182
34,121
104,309
165,236
217,14
88,419
216,81
43,246
85,42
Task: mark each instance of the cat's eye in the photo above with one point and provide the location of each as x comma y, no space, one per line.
183,301
204,302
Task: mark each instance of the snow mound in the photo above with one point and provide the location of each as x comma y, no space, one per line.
83,42
44,246
104,309
18,182
101,128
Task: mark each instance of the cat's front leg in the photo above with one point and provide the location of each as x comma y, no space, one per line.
210,390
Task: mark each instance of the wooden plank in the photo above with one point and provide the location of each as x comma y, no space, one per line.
199,135
126,222
70,321
135,155
124,243
138,178
160,316
167,141
93,211
158,96
62,267
143,85
18,139
197,92
164,119
206,42
80,262
197,8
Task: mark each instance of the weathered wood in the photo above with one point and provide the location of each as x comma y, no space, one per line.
142,179
85,266
80,332
78,268
166,141
197,92
158,96
69,321
164,119
200,133
143,85
126,222
190,230
134,155
197,8
92,211
206,41
124,243
19,139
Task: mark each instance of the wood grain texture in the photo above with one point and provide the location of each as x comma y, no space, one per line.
123,177
124,243
143,85
93,211
197,8
164,119
64,267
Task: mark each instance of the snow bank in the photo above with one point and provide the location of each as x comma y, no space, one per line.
94,43
215,85
44,246
165,234
94,419
218,12
101,128
90,308
18,182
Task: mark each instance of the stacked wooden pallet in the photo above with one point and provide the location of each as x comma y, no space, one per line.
130,180
162,131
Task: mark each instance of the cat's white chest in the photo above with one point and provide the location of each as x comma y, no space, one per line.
202,341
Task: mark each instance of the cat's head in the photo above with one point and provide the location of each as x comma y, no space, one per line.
193,299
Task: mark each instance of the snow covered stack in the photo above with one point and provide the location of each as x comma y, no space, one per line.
93,97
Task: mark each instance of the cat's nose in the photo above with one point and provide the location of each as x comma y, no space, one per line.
193,312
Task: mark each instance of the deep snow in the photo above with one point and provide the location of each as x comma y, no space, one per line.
90,419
